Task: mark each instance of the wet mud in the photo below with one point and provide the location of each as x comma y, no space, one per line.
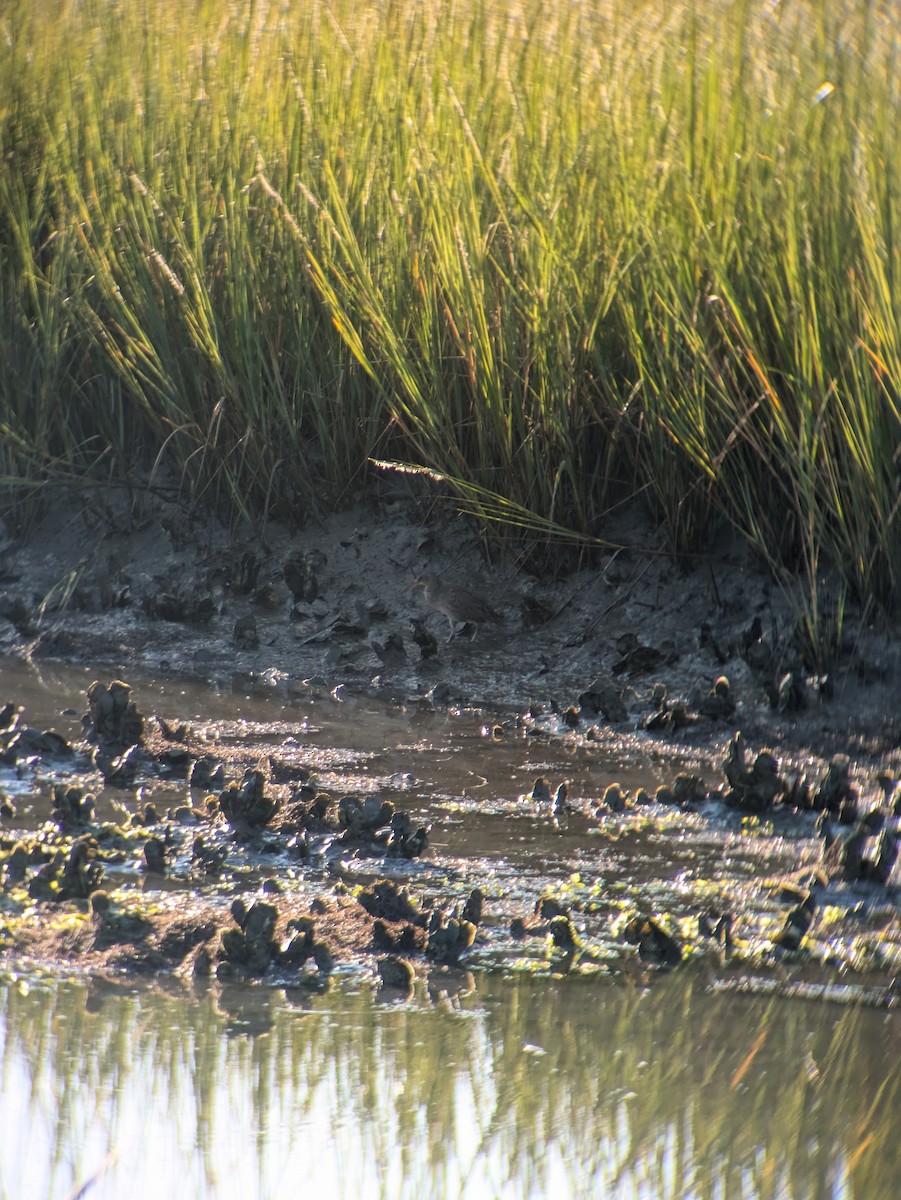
297,850
403,751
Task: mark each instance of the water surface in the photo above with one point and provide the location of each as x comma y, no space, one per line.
476,1087
490,1083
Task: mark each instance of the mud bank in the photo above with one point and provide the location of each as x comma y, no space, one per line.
768,858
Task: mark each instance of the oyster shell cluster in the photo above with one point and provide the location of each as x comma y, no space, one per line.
246,805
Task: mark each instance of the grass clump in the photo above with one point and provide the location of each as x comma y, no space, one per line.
547,253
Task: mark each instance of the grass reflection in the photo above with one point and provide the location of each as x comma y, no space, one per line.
515,1087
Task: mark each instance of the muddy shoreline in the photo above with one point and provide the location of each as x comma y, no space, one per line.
261,873
138,579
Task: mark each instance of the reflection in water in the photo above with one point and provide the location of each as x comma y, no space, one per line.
518,1088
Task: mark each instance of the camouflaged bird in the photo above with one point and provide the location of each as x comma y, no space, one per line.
458,604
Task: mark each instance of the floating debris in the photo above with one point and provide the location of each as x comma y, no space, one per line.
887,997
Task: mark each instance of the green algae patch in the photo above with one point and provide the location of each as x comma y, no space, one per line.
71,921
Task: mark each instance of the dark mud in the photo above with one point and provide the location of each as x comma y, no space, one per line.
606,820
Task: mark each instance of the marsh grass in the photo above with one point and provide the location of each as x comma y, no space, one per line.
555,254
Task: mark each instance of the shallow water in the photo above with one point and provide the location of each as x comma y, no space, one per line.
517,1088
515,1081
446,768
